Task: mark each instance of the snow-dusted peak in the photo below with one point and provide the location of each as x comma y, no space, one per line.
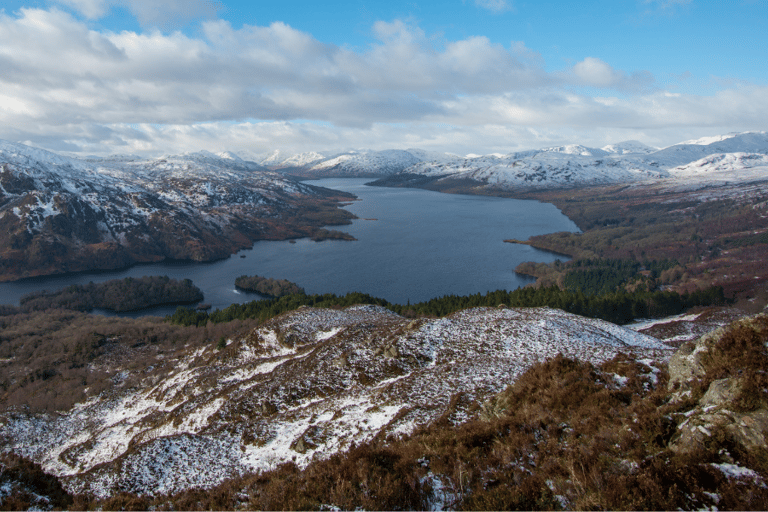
432,156
745,142
279,159
576,149
228,155
629,147
706,141
687,152
22,155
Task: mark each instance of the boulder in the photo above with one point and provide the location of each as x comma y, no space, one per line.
686,365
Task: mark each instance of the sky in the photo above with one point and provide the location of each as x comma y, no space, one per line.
149,77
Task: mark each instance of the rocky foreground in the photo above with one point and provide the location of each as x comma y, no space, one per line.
489,408
303,386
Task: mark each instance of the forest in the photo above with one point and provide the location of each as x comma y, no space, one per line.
129,294
267,286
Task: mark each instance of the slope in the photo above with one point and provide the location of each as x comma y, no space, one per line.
303,386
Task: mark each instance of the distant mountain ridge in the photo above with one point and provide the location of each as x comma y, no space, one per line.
553,167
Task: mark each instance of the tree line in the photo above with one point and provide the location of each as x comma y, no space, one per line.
619,307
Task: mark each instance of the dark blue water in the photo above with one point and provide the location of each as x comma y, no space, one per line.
422,245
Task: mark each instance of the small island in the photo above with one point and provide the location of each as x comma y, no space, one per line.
119,295
331,234
267,286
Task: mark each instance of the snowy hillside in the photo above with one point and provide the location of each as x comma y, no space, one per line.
355,163
60,214
304,385
553,167
629,147
574,165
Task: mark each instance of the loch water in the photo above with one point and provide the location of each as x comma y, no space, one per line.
412,245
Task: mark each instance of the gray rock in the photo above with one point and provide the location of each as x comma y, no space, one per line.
721,393
747,429
686,365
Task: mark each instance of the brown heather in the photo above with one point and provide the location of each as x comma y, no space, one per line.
565,434
51,360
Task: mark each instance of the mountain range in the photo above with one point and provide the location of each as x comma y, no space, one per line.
697,163
61,214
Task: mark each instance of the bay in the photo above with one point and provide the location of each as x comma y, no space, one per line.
421,245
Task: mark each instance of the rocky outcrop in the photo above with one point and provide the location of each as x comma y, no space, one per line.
719,409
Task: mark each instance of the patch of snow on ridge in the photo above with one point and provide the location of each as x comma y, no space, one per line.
304,385
722,162
629,147
706,141
576,149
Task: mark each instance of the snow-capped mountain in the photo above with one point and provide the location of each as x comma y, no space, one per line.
629,147
279,160
302,386
60,214
574,165
365,163
559,166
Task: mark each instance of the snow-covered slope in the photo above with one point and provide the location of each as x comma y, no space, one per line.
554,167
574,165
60,214
304,385
690,151
629,147
355,163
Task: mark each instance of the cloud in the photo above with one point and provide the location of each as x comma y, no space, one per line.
165,14
67,86
597,73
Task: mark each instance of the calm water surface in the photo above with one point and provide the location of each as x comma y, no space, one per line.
421,245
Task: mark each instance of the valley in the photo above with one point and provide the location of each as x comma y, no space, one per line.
473,401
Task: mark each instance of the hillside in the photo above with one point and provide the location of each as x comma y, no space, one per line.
608,419
365,163
697,163
62,215
564,166
303,386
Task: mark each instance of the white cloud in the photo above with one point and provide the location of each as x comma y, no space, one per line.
597,73
76,89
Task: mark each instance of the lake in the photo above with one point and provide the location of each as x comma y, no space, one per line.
421,245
